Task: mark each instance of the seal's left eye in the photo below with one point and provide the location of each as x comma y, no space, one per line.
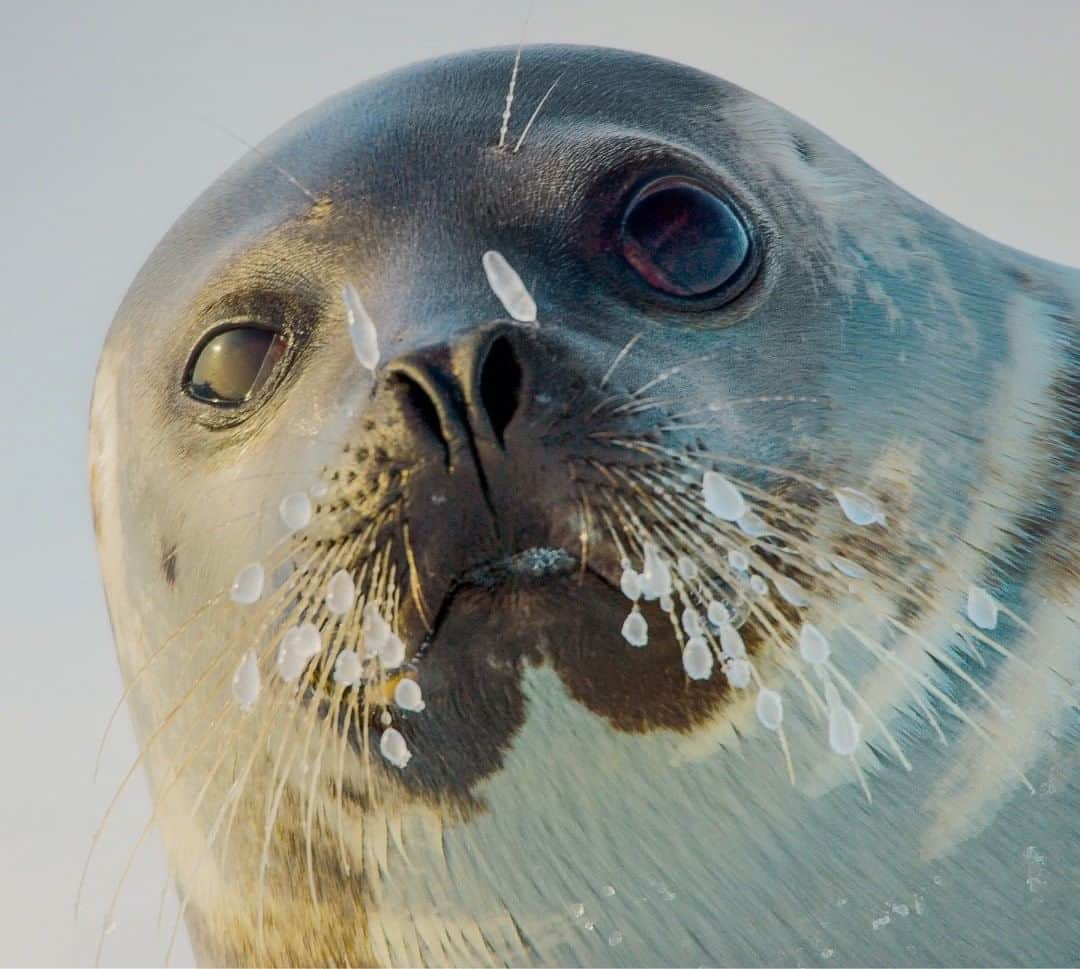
231,366
684,240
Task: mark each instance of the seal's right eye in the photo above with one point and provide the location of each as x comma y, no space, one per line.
231,365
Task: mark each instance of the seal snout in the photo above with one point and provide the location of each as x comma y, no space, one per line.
462,394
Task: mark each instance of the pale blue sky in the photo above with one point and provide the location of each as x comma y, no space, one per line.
110,127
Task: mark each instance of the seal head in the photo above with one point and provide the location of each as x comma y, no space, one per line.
496,510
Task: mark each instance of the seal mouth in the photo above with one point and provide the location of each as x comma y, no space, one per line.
531,565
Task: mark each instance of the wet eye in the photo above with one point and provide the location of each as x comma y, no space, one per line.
233,364
685,241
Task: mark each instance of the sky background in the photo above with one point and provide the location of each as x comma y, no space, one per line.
111,124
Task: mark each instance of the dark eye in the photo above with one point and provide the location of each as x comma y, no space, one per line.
683,240
233,364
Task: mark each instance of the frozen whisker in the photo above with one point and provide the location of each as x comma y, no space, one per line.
340,592
687,568
697,659
247,587
769,708
691,622
408,696
298,645
731,642
790,591
393,747
348,668
374,630
982,608
392,651
295,511
813,646
846,567
504,125
630,584
635,630
506,284
718,613
246,682
362,332
722,498
655,575
752,525
738,673
859,508
535,115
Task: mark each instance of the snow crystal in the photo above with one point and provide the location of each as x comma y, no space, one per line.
859,508
759,586
320,490
691,622
630,584
340,592
752,525
297,646
374,630
348,668
392,651
813,646
687,568
655,575
738,560
791,591
845,566
718,613
506,284
393,747
667,604
577,910
248,584
843,727
982,608
295,510
246,682
722,498
697,659
769,709
362,333
408,696
738,673
635,629
731,643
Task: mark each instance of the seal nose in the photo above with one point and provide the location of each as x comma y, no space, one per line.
463,394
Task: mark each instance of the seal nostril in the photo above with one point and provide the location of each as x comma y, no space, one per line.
500,386
419,401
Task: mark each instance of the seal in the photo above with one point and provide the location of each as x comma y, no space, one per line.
556,507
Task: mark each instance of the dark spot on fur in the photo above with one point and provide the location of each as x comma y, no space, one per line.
802,149
168,564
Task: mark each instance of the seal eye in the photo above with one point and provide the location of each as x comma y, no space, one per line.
683,240
233,364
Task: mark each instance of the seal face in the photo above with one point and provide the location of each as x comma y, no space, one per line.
516,543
